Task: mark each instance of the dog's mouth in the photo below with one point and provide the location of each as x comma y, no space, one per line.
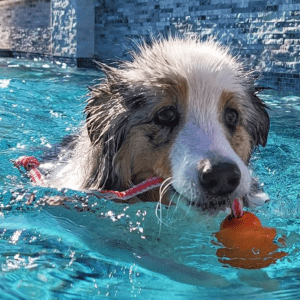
214,204
211,203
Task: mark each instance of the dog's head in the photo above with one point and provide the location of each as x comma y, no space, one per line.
183,110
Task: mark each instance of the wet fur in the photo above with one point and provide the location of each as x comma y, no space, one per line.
120,144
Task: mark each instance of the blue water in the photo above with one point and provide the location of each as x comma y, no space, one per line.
118,251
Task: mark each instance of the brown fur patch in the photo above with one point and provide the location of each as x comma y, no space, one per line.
123,166
240,141
145,159
138,159
173,89
228,99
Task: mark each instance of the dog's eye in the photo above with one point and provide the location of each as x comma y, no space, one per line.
231,118
167,116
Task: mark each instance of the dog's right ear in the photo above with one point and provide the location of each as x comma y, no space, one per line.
94,116
101,99
89,128
107,126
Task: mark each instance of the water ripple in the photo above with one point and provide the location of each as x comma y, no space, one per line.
95,248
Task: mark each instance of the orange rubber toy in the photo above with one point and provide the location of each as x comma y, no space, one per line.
246,243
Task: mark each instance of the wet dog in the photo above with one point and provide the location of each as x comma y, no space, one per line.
183,110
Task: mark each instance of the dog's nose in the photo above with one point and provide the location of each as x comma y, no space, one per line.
220,179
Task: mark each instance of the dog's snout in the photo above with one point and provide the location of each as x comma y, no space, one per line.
220,179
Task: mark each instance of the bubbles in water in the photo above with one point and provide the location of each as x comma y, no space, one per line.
4,83
120,231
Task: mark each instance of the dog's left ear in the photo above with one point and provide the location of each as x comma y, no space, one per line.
259,123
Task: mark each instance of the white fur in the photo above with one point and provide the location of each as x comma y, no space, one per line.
208,70
195,143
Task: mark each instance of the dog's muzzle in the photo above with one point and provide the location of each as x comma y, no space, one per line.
219,179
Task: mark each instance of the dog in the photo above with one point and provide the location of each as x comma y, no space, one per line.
181,109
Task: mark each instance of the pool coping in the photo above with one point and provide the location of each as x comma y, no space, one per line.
80,62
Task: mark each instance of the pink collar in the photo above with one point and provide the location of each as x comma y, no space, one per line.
30,164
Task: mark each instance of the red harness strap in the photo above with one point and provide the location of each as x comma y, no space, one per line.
140,188
237,209
30,164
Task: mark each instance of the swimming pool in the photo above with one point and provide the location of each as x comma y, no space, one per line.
120,251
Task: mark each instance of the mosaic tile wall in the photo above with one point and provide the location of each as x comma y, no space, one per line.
25,26
64,28
266,34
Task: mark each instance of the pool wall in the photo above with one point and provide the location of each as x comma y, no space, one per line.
265,33
25,26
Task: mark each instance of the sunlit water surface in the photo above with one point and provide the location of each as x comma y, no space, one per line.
119,251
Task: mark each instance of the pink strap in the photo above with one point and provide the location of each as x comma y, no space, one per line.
237,209
140,188
30,164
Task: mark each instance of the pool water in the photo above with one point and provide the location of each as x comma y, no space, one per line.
119,251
